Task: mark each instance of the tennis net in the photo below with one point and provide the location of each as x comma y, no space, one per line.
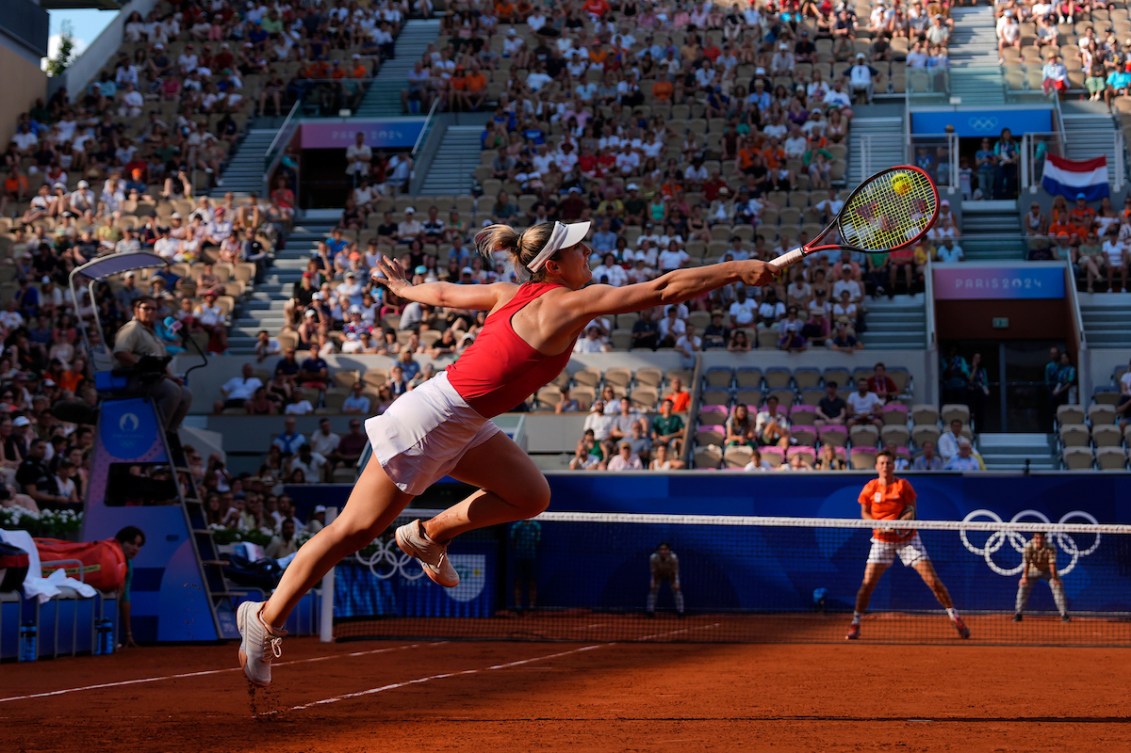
741,579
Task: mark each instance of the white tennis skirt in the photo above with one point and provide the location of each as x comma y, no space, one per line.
425,433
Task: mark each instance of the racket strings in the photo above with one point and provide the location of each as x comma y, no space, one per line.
881,217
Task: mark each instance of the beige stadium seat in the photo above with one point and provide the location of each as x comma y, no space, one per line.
806,377
584,395
1107,435
708,457
840,375
1070,414
864,435
862,458
618,376
644,398
587,377
900,435
548,397
650,375
805,413
716,396
748,377
345,378
924,414
709,436
1074,435
955,411
804,434
737,456
1101,415
1111,458
925,433
719,376
1077,458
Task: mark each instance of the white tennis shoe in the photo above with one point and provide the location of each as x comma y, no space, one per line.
259,646
433,557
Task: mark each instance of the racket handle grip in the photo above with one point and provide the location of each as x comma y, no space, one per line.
788,259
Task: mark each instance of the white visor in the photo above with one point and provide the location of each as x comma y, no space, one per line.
563,236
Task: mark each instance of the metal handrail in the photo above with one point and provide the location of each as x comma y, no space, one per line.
278,134
1083,375
1061,138
932,336
424,128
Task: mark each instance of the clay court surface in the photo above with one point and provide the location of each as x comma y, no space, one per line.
494,697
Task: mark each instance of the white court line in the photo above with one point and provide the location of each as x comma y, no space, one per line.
202,673
420,680
508,665
712,626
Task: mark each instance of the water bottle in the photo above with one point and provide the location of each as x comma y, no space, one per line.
103,638
29,642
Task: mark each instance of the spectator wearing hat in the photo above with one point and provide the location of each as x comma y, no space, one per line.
409,229
862,78
1054,76
317,520
1008,31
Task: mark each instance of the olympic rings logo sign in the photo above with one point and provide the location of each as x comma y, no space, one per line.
985,123
998,539
385,560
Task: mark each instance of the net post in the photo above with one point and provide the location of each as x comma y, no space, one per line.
326,622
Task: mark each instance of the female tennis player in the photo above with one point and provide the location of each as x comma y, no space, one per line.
444,426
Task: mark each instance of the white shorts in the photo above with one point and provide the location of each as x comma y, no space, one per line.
910,551
425,433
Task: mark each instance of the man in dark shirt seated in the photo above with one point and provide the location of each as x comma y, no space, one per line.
831,409
36,480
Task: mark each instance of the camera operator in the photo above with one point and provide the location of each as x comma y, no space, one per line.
135,345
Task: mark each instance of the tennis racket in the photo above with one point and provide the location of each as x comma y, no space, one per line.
890,210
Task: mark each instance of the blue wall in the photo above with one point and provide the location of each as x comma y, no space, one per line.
606,566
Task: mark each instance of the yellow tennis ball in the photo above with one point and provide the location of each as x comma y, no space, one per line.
901,185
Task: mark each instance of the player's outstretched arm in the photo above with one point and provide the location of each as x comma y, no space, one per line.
676,286
477,297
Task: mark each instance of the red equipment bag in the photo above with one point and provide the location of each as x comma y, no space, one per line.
13,567
103,562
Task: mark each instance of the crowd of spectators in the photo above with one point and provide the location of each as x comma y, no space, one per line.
1096,240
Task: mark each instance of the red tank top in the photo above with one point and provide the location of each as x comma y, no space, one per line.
500,369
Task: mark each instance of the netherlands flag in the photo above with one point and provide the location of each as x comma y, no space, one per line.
1069,178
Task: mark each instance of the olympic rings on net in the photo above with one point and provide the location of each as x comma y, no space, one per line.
388,560
1017,540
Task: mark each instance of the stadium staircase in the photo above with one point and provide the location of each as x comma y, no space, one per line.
263,308
991,230
1089,131
244,172
452,167
875,141
384,96
975,76
900,322
1018,452
1106,320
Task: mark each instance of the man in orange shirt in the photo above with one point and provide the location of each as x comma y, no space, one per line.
887,498
475,91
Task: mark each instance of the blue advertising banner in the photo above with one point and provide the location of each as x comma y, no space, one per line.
388,133
751,568
982,122
1005,282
